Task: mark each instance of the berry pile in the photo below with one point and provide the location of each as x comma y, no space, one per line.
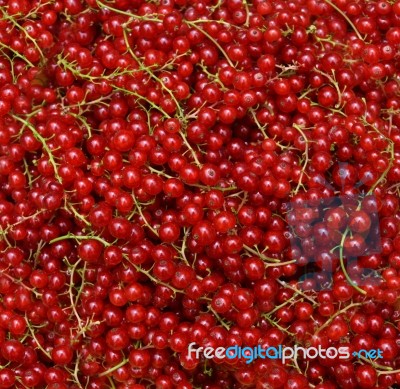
213,172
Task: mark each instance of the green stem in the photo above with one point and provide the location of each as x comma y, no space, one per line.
43,142
83,237
286,285
147,273
337,9
330,320
3,46
219,318
387,371
133,16
34,42
116,367
193,24
343,267
76,213
262,256
377,366
300,183
384,174
39,346
275,324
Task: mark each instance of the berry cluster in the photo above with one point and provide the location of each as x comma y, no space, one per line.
171,170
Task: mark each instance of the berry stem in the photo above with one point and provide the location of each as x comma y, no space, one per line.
81,237
42,141
5,47
377,366
343,266
39,346
217,45
71,296
147,273
262,256
138,207
306,158
277,325
116,367
19,27
330,320
298,291
337,9
226,326
70,207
